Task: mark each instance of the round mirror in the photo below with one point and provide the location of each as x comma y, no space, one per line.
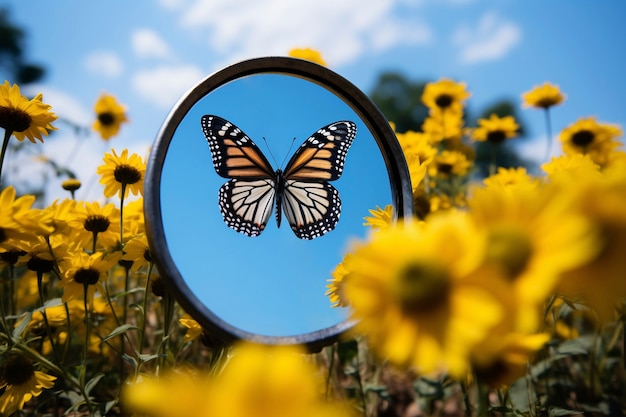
261,140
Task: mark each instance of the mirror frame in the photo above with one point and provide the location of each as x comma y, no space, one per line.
379,127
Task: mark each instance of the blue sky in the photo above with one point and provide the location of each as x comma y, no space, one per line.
148,53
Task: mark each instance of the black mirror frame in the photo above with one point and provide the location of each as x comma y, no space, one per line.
378,125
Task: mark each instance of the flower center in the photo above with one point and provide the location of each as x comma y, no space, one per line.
443,101
509,247
496,136
16,370
39,265
444,168
125,174
12,255
96,223
582,138
88,276
14,120
421,286
106,118
3,235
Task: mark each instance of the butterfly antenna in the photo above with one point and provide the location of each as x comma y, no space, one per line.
272,155
288,152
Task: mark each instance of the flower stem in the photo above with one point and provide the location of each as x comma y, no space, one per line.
43,313
5,143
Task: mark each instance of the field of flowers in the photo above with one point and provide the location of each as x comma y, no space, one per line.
498,297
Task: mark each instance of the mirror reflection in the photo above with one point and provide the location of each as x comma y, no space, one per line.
272,284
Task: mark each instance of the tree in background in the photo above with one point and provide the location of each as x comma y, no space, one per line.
13,62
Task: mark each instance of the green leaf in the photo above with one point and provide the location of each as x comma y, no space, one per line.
19,330
93,382
118,331
556,411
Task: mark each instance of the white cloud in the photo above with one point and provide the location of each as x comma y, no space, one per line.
64,105
164,85
148,44
104,63
492,39
341,30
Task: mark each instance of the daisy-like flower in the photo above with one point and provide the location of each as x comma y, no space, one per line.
449,163
334,289
534,234
571,168
137,251
308,54
20,382
590,137
445,95
495,129
510,177
22,117
441,125
414,295
109,116
258,381
12,232
381,218
543,96
96,226
122,174
83,274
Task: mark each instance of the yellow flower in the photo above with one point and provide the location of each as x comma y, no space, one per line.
601,281
571,168
194,330
83,274
381,218
258,381
510,177
543,96
334,287
94,223
20,382
122,173
441,125
495,129
12,232
414,295
23,117
445,95
449,163
110,116
589,137
137,251
308,54
533,236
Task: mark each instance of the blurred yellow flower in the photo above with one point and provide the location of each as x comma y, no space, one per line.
19,382
308,54
22,117
543,96
589,137
122,173
194,330
12,232
414,297
334,288
109,116
445,95
258,381
449,163
510,177
381,218
495,129
440,126
571,168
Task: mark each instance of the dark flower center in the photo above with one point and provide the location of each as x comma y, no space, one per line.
443,101
3,235
106,118
509,247
496,136
582,138
156,284
12,255
444,168
14,120
125,174
422,286
97,223
147,255
87,276
39,265
16,370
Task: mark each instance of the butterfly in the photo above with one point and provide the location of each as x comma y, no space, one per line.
311,205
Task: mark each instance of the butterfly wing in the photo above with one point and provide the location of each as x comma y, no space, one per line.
311,208
247,205
311,205
247,200
235,155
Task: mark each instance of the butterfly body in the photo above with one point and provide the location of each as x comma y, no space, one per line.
310,204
